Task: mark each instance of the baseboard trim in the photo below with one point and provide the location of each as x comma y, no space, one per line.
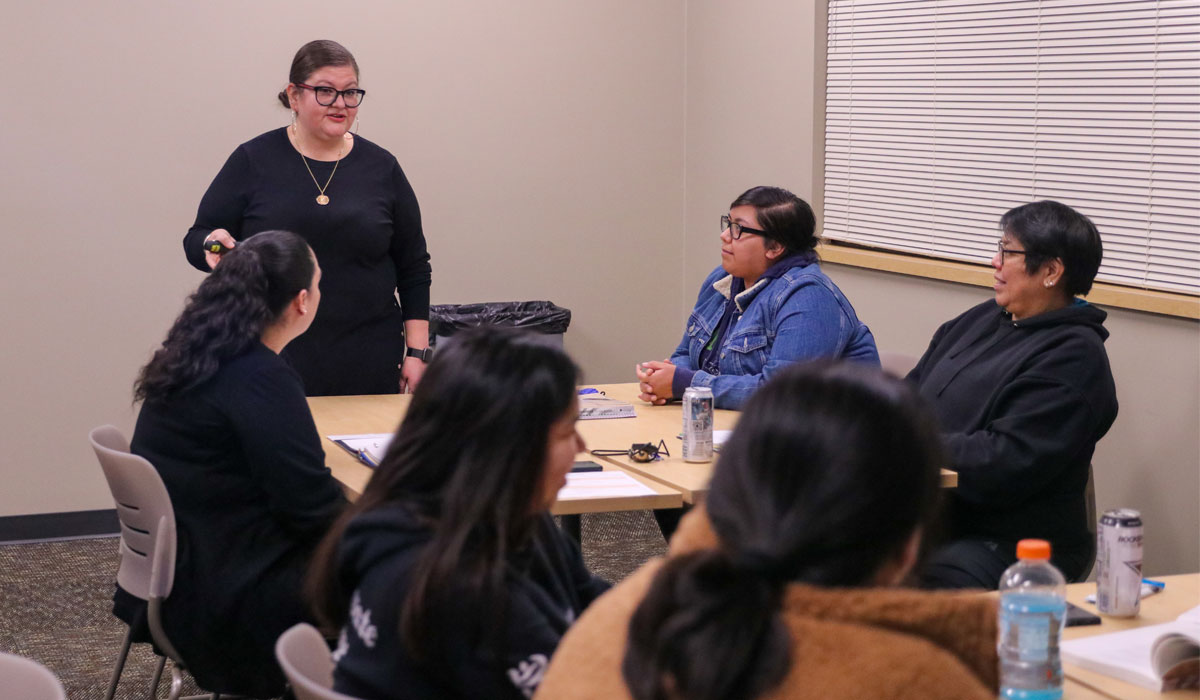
58,526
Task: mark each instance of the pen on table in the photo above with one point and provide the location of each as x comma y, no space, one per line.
1156,585
362,454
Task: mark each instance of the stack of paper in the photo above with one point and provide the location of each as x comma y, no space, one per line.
605,484
596,406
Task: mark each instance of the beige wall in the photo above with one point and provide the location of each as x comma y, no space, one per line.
559,150
750,117
544,140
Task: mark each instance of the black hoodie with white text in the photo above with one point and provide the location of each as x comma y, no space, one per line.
546,584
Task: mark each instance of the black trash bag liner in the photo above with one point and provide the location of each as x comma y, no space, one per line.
542,316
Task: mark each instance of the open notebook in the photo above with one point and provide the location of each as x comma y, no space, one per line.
1159,657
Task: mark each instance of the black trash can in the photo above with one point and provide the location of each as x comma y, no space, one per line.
543,317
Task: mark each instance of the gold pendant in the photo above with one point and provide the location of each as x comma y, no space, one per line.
322,200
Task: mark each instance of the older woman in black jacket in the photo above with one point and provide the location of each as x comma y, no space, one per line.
1023,390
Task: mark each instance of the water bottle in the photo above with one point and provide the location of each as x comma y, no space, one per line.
1033,606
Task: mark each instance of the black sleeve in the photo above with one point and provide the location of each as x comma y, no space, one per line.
534,624
222,206
408,251
279,438
1037,426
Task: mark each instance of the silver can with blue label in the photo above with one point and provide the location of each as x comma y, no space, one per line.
697,424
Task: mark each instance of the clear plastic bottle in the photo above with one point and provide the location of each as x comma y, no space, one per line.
1033,605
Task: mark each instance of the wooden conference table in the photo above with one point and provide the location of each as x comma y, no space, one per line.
654,423
348,415
673,480
1181,594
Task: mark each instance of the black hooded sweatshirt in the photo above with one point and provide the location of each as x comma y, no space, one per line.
1022,405
547,586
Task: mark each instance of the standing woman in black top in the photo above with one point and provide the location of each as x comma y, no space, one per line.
226,424
351,202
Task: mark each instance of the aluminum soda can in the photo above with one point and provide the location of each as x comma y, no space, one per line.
697,424
1119,562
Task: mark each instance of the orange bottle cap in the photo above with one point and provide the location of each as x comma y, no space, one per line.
1033,549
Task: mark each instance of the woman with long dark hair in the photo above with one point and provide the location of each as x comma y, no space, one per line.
225,422
448,578
784,584
767,305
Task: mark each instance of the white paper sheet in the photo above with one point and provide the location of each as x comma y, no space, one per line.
606,484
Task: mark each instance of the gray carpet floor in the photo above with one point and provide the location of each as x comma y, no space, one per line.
55,601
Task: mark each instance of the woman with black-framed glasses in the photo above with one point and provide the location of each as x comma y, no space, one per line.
1023,389
766,306
350,200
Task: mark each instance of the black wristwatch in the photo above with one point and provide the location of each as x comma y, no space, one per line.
423,355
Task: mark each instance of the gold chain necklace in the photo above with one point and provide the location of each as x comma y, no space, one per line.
322,199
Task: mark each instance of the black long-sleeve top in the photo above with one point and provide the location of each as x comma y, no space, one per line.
243,464
367,239
1022,405
546,585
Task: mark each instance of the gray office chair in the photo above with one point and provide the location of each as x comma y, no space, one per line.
304,657
1089,495
147,568
897,363
27,679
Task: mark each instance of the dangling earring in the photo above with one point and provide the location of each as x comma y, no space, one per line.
355,127
293,121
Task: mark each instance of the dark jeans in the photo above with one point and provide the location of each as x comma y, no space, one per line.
977,563
668,519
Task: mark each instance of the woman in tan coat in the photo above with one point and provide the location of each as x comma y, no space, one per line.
784,585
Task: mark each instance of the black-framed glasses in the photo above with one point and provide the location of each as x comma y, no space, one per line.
1006,251
326,96
736,230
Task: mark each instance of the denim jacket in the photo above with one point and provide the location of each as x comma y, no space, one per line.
797,316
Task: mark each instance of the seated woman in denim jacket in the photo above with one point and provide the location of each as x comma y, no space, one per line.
767,306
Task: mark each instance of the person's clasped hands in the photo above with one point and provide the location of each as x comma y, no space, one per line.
654,381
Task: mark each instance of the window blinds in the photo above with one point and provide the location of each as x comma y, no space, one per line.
943,114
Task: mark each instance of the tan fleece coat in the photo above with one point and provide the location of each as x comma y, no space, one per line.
846,643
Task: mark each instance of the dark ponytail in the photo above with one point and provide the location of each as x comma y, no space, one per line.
707,630
228,312
830,471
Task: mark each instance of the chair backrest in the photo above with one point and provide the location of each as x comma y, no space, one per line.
1089,496
897,363
305,660
144,509
27,679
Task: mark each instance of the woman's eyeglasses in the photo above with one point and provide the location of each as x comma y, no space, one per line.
326,96
1006,251
736,230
